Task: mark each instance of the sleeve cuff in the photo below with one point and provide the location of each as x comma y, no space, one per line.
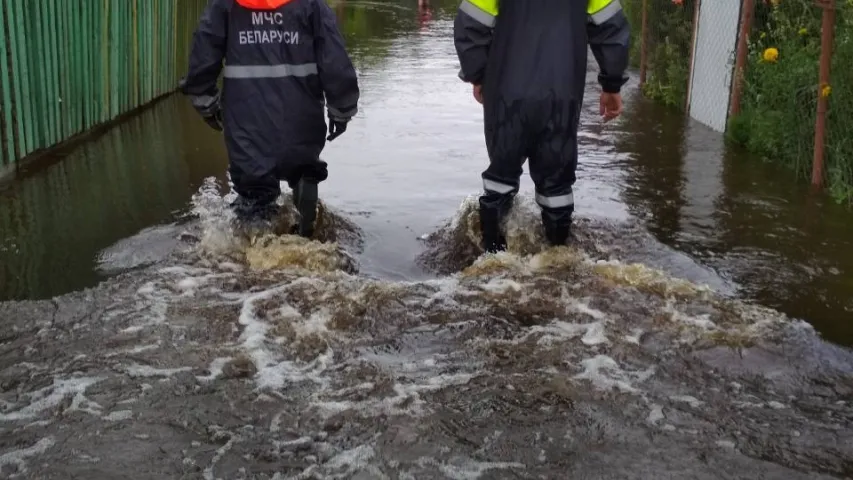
474,80
612,84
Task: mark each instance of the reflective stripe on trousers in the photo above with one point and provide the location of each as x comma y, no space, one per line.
270,71
498,187
557,201
477,13
606,13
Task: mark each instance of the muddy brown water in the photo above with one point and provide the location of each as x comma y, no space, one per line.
156,343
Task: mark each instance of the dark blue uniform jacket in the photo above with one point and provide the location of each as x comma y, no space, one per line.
282,62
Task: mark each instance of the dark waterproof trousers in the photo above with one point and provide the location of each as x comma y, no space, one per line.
264,189
545,132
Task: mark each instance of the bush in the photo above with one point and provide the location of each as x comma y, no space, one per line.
670,36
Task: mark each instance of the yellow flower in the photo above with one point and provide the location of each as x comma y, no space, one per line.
771,55
825,91
803,31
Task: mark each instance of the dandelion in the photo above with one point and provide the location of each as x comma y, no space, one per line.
771,55
825,91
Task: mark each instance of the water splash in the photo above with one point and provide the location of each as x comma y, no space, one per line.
457,244
336,239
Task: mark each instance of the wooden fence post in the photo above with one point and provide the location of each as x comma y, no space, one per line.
644,40
823,89
746,17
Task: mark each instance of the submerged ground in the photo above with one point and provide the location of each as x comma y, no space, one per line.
157,343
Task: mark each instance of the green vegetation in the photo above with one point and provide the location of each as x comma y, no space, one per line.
669,39
780,95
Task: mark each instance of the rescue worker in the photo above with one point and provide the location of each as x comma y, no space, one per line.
528,66
281,57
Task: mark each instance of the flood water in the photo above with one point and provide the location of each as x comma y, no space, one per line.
412,154
145,326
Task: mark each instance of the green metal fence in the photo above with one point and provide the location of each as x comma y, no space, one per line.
70,65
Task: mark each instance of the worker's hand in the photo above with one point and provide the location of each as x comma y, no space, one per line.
337,127
611,105
478,93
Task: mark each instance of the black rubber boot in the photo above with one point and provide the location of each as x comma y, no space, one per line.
557,235
490,226
305,197
294,229
296,191
558,226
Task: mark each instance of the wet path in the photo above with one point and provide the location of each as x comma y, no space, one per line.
412,154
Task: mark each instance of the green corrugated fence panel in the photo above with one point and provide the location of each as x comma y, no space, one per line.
68,65
7,134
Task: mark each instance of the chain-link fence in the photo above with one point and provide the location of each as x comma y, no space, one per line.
785,105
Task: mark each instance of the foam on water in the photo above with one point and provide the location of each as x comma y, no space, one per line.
216,368
605,373
656,414
351,460
119,415
149,371
217,456
17,458
273,369
51,396
461,468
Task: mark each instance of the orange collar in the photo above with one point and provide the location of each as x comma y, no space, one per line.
262,4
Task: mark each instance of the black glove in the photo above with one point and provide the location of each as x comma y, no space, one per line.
337,126
210,110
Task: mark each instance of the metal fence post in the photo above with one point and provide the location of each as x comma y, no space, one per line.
827,37
697,7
